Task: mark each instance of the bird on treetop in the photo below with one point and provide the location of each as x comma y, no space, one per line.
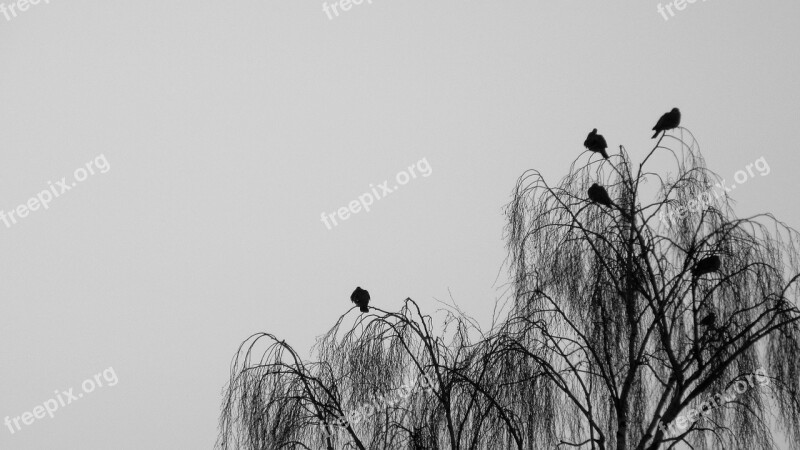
361,298
596,143
668,121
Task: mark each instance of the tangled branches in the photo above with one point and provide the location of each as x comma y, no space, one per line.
612,334
608,295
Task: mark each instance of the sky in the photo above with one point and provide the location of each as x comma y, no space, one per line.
206,141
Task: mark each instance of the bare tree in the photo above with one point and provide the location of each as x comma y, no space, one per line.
607,298
385,382
616,330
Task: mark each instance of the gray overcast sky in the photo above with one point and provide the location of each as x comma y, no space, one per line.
229,127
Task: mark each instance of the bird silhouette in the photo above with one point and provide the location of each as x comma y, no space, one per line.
361,298
596,143
706,265
599,195
709,320
668,121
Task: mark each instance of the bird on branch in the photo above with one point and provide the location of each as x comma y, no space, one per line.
598,194
596,143
708,321
361,298
668,121
706,265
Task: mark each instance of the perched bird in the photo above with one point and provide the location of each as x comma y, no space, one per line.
599,195
709,320
706,265
361,298
668,121
596,143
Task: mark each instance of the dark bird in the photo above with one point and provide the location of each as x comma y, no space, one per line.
599,195
668,121
596,143
361,298
709,320
706,265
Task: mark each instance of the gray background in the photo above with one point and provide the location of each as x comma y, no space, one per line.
230,126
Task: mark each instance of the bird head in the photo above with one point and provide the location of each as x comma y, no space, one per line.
675,110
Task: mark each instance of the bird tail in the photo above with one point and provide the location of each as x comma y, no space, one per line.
655,134
603,152
364,309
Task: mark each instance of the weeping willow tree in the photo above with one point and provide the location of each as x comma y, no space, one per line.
640,348
614,339
386,381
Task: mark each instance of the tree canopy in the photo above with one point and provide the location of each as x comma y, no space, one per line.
621,322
